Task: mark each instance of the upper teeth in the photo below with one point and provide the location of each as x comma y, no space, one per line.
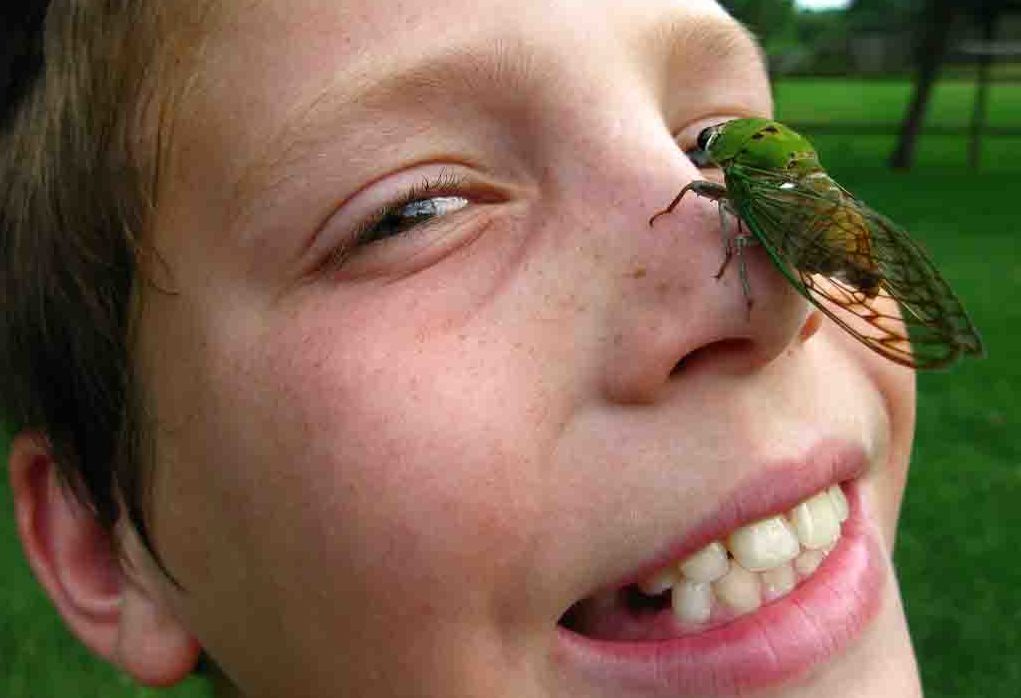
817,521
765,544
707,565
770,546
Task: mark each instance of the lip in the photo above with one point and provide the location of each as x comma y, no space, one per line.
779,641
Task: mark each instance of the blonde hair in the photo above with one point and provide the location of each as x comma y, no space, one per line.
80,159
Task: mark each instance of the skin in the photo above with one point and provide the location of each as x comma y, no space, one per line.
393,476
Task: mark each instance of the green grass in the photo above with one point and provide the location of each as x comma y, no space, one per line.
822,101
956,547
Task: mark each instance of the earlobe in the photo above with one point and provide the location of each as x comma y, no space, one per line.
115,614
152,645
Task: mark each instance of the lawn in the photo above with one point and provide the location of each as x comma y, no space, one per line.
828,101
955,554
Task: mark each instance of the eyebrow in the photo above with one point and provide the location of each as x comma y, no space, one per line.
340,109
348,100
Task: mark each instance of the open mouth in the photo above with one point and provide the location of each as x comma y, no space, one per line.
772,585
754,565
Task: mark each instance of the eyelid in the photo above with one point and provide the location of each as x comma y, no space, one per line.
335,236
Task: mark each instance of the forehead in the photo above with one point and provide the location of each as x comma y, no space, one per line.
276,75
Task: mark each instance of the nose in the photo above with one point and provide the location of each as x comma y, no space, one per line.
678,317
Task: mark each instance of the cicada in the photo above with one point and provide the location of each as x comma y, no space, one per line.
854,264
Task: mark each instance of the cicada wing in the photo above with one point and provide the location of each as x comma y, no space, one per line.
939,326
874,321
857,267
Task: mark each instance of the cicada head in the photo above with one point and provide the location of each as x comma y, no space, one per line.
761,143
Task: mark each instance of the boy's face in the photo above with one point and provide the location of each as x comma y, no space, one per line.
392,470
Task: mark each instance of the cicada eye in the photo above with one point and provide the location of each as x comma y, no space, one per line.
705,137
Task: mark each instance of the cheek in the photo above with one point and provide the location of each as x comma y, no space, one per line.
897,386
359,475
406,449
894,388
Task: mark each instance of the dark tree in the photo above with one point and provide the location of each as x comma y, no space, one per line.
936,21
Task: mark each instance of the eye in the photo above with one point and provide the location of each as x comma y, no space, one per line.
414,208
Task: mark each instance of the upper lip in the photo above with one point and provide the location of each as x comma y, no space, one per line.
772,489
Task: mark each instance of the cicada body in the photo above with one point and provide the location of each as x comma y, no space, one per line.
836,251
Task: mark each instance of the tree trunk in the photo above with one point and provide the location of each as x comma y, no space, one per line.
938,18
988,19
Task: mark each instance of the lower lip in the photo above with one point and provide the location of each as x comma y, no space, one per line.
775,644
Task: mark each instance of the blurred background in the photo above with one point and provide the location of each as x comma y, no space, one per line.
915,105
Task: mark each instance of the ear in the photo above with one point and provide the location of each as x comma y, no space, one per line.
114,610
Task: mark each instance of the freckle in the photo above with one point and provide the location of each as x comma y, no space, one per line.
638,273
618,339
662,287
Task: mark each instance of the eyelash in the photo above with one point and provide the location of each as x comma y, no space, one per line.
445,184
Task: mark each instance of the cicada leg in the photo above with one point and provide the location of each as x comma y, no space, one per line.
735,245
731,245
710,190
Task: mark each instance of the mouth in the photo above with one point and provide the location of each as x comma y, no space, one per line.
784,575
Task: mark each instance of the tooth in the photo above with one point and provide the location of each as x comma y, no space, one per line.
815,521
692,601
707,565
807,562
739,589
764,544
660,581
839,502
779,581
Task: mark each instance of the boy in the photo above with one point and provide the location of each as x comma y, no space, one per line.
345,323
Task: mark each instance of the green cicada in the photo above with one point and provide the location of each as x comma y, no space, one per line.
841,255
